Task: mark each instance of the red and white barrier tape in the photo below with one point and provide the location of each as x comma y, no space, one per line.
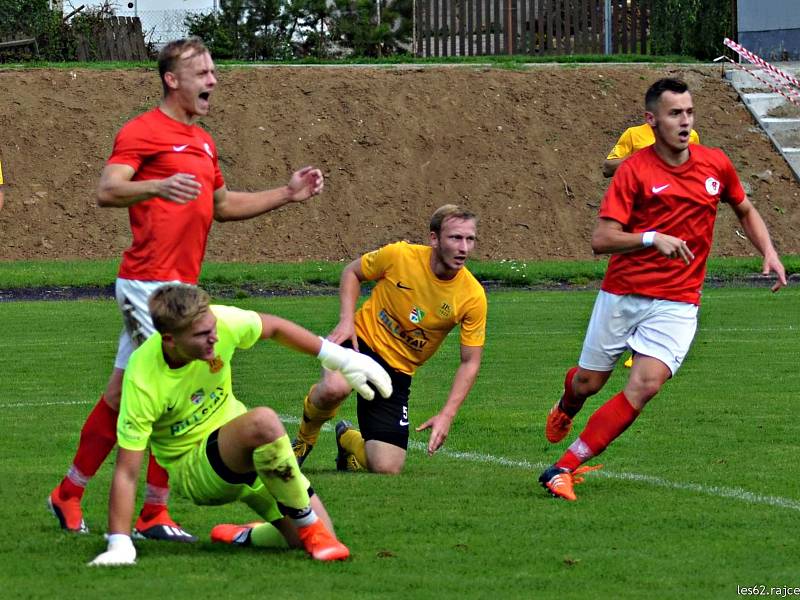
755,59
778,87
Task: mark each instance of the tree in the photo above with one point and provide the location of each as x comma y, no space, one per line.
371,27
690,27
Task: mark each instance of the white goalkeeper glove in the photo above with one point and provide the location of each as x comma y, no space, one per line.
120,551
357,369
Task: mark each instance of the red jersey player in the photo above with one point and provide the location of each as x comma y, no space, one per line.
164,168
657,222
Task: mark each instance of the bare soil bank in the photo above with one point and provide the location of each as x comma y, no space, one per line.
521,148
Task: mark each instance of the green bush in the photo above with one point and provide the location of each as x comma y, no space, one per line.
690,27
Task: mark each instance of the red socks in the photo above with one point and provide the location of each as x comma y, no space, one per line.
570,403
157,492
604,426
98,436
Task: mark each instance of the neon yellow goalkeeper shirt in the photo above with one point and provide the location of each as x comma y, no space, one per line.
174,409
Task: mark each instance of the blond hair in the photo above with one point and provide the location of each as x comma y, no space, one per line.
450,211
174,307
173,52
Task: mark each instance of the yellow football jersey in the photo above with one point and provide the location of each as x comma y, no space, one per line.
1,173
634,139
410,311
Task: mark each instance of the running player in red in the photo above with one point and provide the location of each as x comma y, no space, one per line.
164,169
421,294
657,222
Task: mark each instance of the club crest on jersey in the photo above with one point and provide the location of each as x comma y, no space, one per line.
215,364
444,311
416,315
712,186
197,397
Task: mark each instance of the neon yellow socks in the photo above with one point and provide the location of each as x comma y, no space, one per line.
277,468
267,536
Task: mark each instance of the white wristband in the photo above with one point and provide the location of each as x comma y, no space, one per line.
648,237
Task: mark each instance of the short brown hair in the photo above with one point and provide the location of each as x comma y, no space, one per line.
450,211
655,91
171,54
175,306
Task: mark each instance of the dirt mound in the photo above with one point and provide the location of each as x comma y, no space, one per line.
522,148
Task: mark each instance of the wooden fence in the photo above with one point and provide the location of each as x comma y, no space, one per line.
480,27
113,38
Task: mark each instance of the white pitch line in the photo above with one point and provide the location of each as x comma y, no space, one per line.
710,490
43,404
713,490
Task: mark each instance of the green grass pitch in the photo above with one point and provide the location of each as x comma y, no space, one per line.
700,496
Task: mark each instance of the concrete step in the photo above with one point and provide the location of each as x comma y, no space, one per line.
777,116
760,103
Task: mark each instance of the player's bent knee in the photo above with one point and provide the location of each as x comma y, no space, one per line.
384,458
332,392
386,469
265,424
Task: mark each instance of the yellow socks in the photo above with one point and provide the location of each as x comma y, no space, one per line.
313,420
352,441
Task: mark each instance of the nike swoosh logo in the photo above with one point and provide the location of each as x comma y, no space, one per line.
403,287
660,188
403,423
169,408
180,148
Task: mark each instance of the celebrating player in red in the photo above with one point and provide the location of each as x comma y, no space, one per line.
657,222
164,169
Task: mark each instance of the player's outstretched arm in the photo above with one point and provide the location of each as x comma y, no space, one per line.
756,230
120,550
467,372
358,369
236,206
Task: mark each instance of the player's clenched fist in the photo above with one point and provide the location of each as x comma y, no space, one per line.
305,183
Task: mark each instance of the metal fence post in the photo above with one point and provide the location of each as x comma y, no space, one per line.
608,49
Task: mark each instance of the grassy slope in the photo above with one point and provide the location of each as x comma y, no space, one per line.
26,274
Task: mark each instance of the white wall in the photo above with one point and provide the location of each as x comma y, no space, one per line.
122,5
162,20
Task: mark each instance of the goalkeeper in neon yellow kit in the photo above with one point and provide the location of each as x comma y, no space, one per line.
177,397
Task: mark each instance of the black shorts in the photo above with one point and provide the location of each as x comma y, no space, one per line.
385,419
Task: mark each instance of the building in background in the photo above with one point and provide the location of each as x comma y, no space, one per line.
770,28
162,20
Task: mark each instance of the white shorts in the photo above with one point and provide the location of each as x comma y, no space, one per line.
132,299
663,329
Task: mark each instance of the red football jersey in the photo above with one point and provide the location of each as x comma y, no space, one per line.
648,194
169,239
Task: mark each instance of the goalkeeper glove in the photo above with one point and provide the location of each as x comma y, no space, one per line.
358,369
